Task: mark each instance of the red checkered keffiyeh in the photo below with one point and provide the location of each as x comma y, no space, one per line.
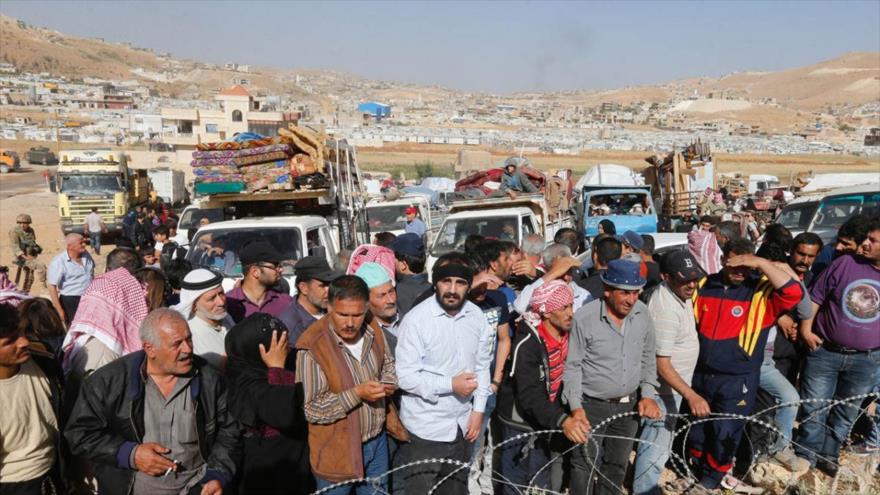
548,298
375,254
703,246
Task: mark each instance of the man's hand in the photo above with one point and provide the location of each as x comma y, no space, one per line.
487,281
560,267
390,388
576,429
464,384
788,326
212,487
698,405
148,459
649,409
749,260
370,390
60,312
524,267
474,425
276,356
812,340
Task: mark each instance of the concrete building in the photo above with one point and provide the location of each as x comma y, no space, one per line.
239,111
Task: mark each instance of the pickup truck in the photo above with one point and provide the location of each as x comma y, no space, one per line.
41,155
629,207
216,245
388,215
502,218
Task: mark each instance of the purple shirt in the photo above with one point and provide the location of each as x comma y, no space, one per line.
848,295
240,307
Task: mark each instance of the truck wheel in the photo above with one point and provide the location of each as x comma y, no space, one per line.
4,169
45,160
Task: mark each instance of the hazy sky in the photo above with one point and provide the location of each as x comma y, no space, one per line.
490,46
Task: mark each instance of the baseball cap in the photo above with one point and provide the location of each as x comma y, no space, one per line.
411,210
633,239
409,244
257,251
682,266
315,267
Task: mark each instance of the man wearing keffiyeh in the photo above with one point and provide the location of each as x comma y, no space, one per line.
529,396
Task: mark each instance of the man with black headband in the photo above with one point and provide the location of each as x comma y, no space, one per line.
443,356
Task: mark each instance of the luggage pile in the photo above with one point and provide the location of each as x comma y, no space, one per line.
254,163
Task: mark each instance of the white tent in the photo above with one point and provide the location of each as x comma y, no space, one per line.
833,181
609,174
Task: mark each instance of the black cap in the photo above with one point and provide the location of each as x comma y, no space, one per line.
258,251
681,266
315,267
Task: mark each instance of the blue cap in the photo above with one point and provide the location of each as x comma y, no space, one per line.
409,244
623,274
633,239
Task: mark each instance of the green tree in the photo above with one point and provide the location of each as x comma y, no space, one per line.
424,169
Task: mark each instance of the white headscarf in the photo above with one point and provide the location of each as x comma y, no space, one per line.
194,284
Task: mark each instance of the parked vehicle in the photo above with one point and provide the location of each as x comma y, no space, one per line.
41,155
97,178
170,185
839,205
191,218
629,207
9,161
798,213
388,215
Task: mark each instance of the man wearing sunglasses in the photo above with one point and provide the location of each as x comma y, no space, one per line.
261,270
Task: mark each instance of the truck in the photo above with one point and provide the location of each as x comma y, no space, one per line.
98,178
614,192
170,185
298,223
41,155
387,215
9,160
503,218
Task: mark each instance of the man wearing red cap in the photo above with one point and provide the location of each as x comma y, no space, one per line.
414,224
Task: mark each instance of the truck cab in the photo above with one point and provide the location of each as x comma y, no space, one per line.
388,215
629,207
216,245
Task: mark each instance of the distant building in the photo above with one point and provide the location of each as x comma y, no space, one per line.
375,110
239,112
873,137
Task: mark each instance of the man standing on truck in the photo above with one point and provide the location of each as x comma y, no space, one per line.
25,249
515,180
414,224
93,226
261,270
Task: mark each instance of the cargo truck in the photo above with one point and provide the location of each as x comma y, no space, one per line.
100,179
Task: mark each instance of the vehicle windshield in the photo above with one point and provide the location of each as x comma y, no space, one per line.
835,211
90,184
798,216
192,217
619,204
455,231
386,217
218,248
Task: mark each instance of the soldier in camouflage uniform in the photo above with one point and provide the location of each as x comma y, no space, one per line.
25,249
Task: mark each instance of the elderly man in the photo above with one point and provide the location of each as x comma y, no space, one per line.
203,304
383,298
610,371
677,349
409,251
443,358
530,266
25,249
155,421
261,270
347,371
530,399
560,265
313,277
70,273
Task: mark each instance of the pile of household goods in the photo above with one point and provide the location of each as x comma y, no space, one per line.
251,162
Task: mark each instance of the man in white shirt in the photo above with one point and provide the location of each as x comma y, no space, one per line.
203,304
443,354
94,227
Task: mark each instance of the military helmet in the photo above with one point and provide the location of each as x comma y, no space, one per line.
23,218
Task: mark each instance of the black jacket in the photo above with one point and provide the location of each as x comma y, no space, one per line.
107,422
524,398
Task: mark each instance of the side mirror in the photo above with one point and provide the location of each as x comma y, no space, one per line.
52,186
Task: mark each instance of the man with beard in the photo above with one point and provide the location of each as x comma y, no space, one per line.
261,270
610,371
347,372
203,304
734,310
313,277
443,355
676,350
844,341
530,399
155,421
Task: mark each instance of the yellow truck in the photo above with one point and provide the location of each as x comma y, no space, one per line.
98,178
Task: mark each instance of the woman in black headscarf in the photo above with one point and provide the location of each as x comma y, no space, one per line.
607,227
265,399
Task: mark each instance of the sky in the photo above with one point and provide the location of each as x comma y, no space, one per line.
498,47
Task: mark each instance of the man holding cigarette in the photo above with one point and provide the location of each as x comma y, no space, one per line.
155,421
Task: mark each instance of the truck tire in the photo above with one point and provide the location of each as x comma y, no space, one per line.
4,169
45,160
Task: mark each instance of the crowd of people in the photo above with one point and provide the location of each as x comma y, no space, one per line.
506,367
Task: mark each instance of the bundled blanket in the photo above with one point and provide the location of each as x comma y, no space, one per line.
198,155
240,161
235,145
